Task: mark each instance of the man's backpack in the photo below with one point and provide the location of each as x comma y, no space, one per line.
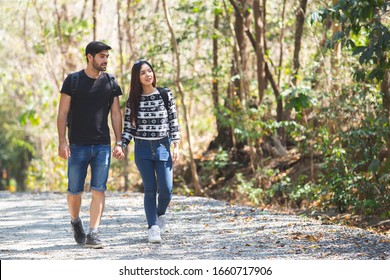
74,83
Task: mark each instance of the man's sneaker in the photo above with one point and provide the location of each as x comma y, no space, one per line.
154,234
161,222
78,232
93,241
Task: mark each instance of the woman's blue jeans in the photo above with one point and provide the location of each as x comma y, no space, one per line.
154,163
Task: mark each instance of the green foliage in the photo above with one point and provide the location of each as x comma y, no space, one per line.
364,33
246,123
281,187
299,98
217,166
74,29
15,148
353,172
305,191
29,116
220,160
249,189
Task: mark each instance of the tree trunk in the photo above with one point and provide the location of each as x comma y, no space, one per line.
215,95
130,34
126,164
318,70
269,75
259,15
241,24
279,101
335,58
120,44
94,18
260,47
239,34
300,20
82,14
385,89
194,173
281,38
223,138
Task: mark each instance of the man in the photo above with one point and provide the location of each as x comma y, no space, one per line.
84,107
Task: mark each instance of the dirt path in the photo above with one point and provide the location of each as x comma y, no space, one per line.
37,227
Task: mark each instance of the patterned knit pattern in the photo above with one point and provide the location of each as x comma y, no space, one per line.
154,122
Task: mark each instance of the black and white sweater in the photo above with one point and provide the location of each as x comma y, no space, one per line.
154,122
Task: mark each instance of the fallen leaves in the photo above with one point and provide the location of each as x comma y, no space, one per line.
309,237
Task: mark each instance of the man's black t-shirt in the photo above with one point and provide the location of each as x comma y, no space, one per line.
90,108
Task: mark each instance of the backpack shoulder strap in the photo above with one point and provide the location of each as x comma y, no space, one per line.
113,82
74,83
164,95
114,87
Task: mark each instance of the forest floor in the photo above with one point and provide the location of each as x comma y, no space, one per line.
223,185
36,226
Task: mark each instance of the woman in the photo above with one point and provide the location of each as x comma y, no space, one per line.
151,119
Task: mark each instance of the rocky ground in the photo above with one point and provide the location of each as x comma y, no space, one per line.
36,226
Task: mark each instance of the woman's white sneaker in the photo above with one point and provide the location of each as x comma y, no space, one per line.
154,234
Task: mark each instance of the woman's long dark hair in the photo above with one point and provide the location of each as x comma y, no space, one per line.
136,89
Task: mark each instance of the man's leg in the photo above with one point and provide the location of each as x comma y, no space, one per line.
77,171
96,209
100,164
74,205
96,212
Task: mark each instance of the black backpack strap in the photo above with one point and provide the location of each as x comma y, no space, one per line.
164,95
114,87
74,83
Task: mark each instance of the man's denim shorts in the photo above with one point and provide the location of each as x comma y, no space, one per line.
81,156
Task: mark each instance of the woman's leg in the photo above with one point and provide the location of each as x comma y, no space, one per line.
147,170
165,183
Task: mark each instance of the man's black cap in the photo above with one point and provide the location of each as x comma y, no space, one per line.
96,47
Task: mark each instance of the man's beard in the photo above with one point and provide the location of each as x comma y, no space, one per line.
100,67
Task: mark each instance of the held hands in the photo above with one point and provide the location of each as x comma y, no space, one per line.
118,152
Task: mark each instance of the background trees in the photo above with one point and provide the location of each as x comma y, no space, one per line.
281,102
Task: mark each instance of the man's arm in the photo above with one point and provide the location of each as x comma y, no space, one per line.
63,109
116,120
